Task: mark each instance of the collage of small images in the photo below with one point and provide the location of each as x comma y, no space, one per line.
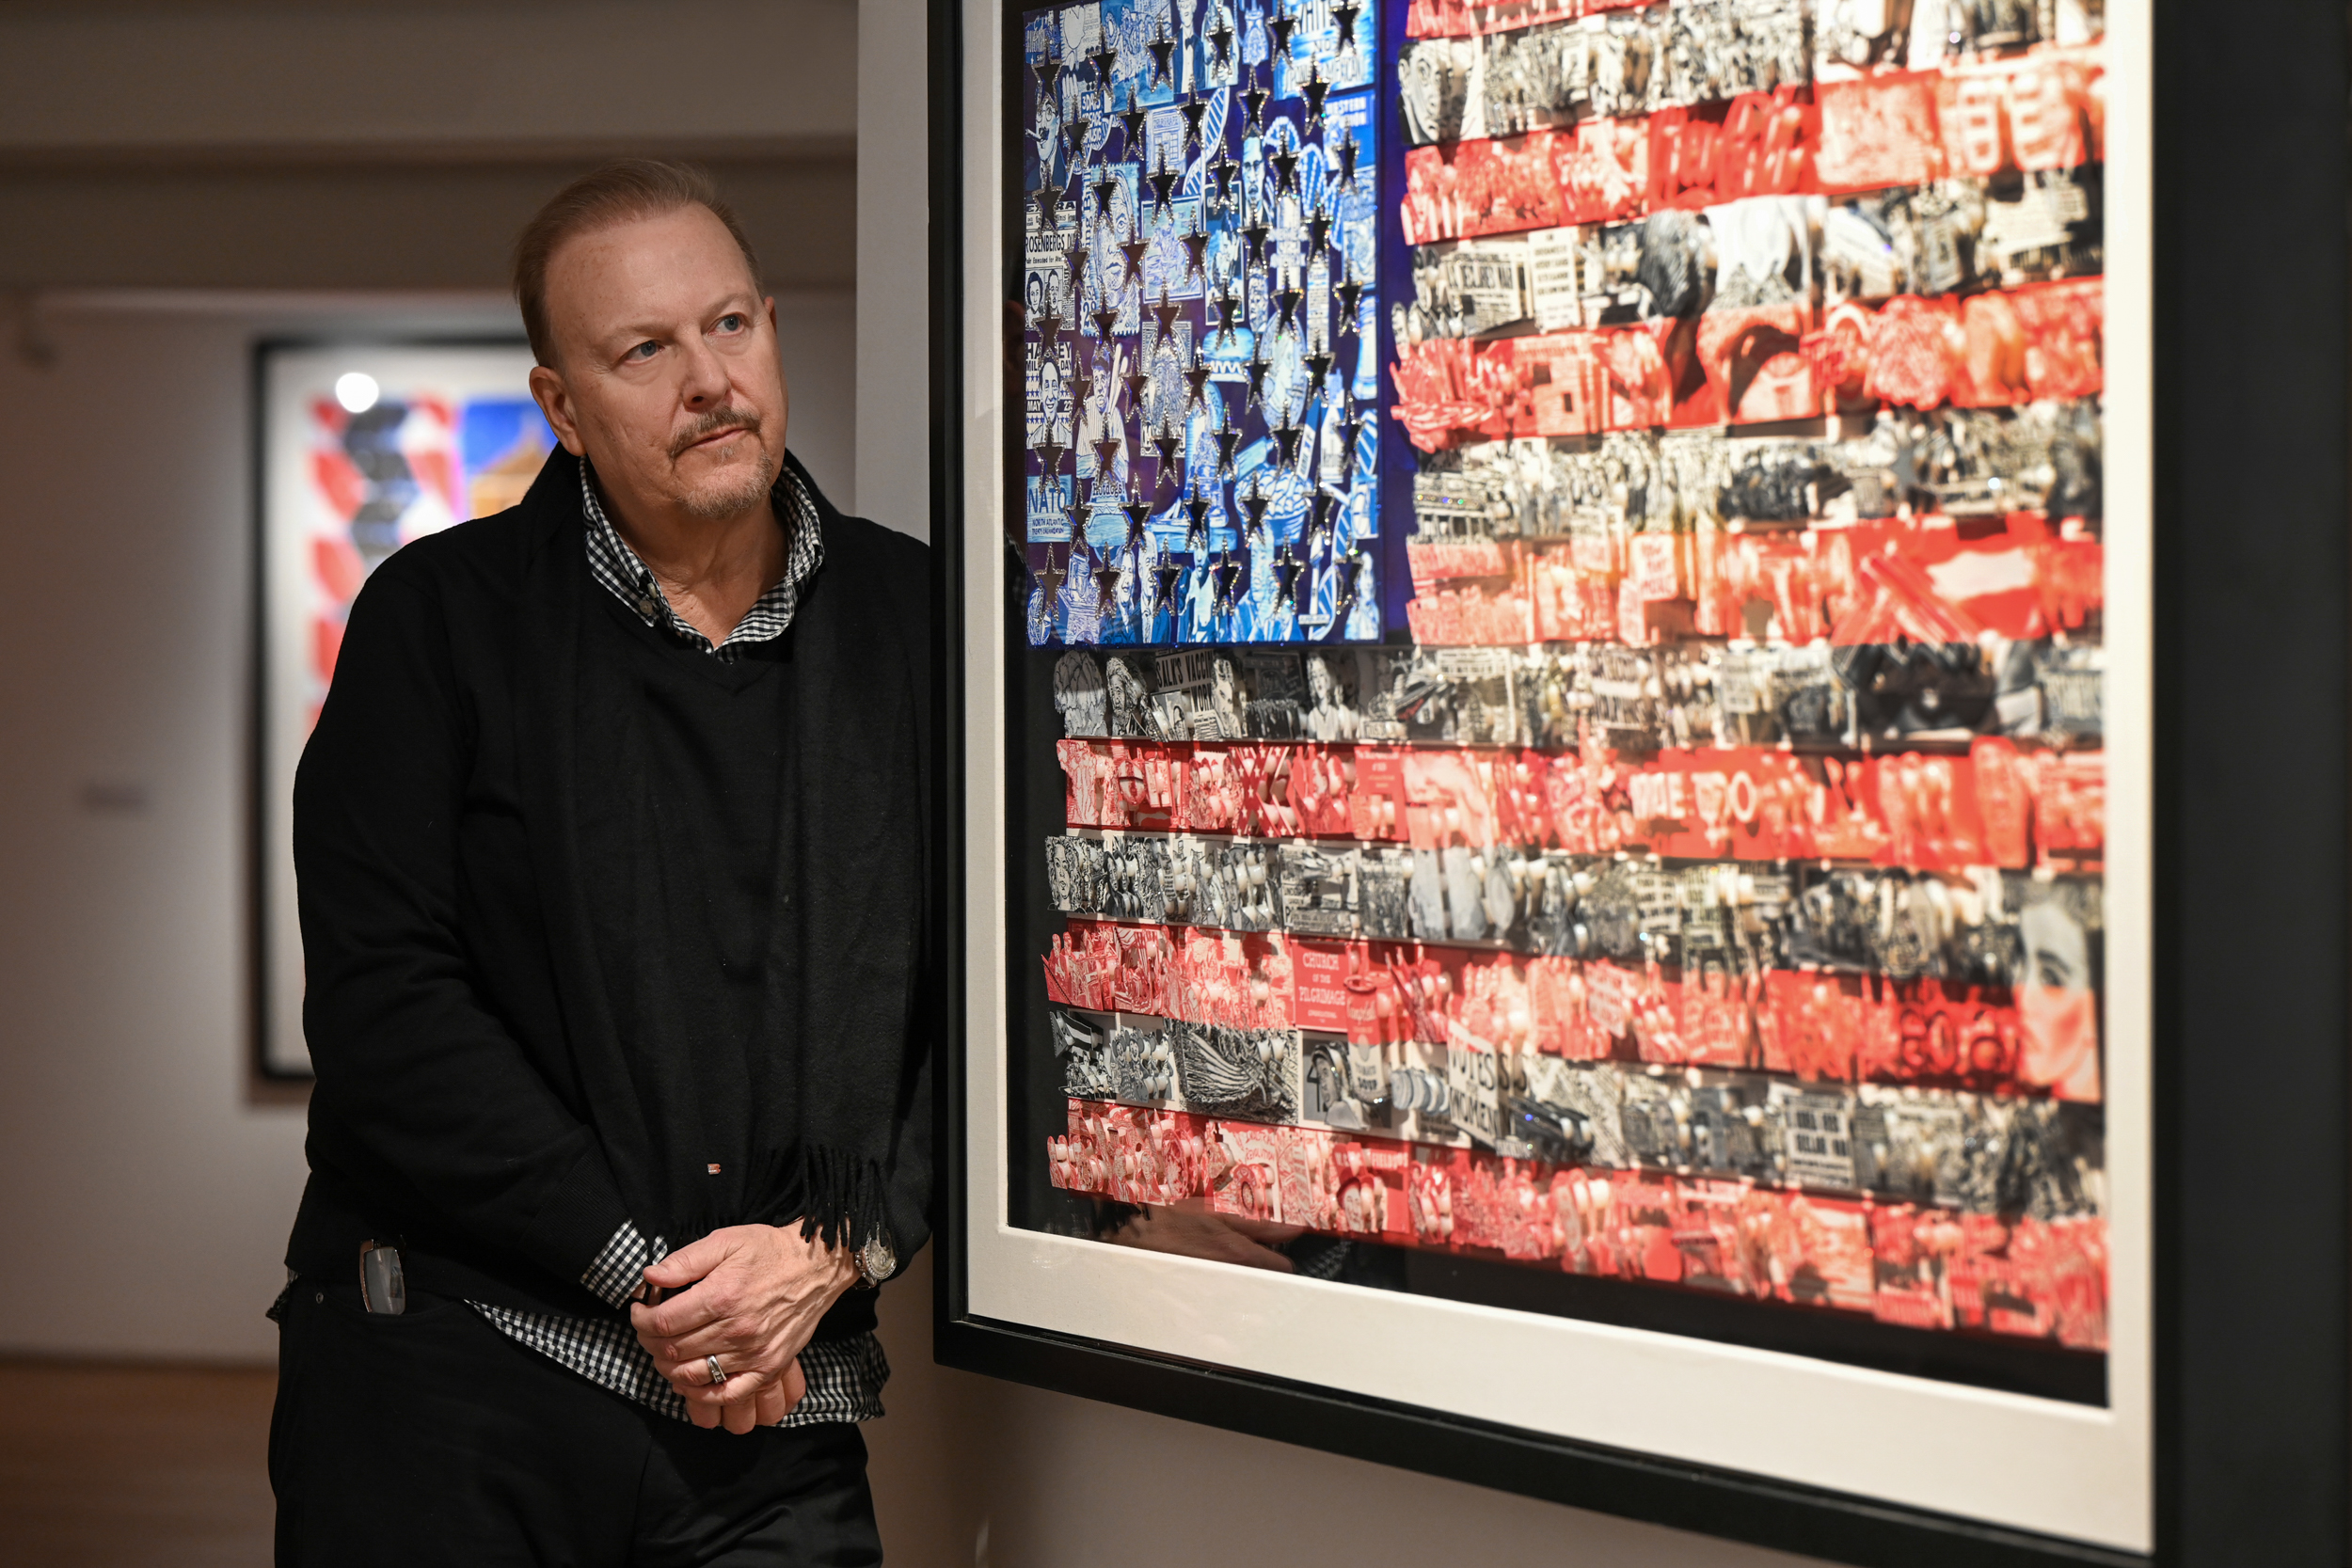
1701,879
1201,354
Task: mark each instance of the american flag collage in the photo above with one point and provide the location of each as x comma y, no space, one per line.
1566,538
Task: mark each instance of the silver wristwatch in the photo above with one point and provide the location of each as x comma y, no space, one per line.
876,1262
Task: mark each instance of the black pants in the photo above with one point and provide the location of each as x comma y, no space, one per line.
431,1438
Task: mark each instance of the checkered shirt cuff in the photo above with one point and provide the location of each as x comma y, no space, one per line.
845,1382
845,1378
613,1278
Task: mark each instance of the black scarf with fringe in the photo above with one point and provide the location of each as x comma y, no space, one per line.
804,1115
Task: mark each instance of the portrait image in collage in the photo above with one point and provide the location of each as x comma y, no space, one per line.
1671,850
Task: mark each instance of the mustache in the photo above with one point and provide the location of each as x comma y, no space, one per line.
711,422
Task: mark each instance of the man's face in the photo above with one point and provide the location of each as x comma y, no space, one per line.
666,375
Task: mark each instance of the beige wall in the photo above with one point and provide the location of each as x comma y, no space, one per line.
406,224
145,1187
335,79
345,144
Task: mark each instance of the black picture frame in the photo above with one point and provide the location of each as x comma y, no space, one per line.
2252,910
261,963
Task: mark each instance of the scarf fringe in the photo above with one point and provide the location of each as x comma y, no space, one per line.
837,1197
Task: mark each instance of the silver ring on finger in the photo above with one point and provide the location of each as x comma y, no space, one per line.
718,1373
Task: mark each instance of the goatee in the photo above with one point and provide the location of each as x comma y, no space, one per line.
733,493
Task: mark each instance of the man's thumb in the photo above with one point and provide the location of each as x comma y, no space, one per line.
687,1264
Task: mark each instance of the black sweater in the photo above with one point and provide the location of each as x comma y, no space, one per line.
481,1096
679,777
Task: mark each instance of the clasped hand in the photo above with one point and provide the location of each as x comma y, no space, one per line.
756,1291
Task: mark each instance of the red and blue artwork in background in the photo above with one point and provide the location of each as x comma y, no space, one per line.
406,467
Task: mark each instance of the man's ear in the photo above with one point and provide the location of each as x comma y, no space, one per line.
555,402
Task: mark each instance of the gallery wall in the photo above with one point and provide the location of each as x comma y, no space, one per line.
147,1185
344,80
355,144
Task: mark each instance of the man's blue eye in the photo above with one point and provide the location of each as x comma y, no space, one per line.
730,323
644,350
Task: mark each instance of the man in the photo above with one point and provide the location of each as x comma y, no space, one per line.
610,841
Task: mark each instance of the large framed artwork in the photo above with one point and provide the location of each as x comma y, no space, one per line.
361,447
1571,671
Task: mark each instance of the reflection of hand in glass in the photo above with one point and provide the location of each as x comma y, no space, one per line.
1203,1234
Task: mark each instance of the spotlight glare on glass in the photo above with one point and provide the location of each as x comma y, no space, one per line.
357,391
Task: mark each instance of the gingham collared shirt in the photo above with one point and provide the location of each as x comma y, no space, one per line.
846,1377
617,567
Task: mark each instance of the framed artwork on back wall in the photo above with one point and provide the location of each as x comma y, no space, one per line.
359,448
1566,654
